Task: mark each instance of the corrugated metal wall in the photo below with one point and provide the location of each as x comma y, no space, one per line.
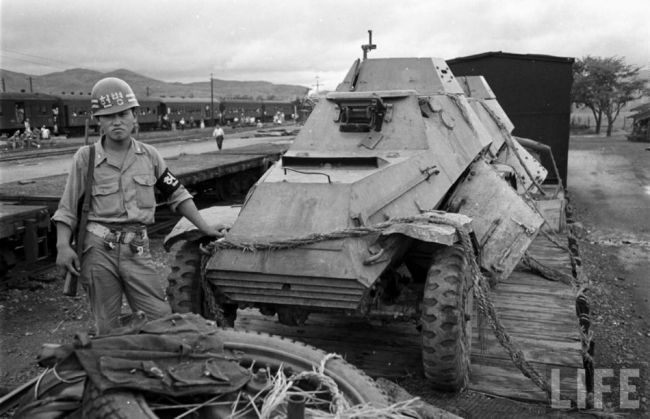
535,92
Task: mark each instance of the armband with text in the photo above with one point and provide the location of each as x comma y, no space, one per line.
167,184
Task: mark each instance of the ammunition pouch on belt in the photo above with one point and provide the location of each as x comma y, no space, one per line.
136,238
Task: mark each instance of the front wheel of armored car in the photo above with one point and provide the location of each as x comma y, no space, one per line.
446,321
184,291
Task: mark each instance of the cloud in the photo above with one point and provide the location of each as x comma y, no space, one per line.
294,41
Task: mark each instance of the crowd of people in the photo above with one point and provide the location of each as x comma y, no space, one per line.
29,137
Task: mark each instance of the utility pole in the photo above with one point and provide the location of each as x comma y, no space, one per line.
317,85
147,90
4,88
212,99
31,89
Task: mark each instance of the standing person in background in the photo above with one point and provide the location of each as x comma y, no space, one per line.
27,139
218,135
45,133
116,258
15,140
36,137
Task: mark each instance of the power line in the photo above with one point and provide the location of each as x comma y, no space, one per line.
31,62
40,57
4,53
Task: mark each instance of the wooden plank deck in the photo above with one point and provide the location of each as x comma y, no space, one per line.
538,314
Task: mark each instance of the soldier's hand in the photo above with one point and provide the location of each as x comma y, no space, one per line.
66,258
215,232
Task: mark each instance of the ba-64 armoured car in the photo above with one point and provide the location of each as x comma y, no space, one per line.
362,214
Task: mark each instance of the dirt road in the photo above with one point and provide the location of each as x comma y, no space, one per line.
609,188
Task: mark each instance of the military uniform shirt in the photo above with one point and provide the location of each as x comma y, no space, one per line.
119,194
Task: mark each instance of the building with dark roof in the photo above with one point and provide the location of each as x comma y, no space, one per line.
640,123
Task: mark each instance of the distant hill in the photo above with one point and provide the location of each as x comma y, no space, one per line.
79,82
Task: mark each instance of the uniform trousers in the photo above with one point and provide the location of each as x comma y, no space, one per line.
107,274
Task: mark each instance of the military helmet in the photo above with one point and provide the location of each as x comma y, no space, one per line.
111,95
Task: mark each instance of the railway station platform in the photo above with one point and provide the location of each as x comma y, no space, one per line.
63,145
191,169
26,205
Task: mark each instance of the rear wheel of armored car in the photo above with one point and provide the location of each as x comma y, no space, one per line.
259,351
446,324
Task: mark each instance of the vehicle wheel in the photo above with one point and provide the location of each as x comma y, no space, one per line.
184,291
446,321
259,351
4,267
114,405
7,260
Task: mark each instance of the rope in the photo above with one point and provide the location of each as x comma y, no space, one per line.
210,298
433,217
486,306
546,272
580,284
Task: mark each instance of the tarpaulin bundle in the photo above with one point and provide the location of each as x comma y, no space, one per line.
177,355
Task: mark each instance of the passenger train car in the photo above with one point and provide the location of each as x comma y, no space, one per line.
69,114
37,109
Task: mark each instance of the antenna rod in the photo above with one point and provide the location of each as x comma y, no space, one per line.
369,46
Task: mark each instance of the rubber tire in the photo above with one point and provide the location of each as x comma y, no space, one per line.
184,292
269,349
446,321
114,405
263,348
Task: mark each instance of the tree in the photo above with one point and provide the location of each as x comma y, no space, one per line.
605,85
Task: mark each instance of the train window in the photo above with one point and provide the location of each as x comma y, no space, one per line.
20,112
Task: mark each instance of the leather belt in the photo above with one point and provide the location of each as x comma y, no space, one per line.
115,235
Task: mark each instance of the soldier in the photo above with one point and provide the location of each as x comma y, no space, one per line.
116,258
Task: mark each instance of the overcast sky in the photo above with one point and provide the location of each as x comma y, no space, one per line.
302,41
